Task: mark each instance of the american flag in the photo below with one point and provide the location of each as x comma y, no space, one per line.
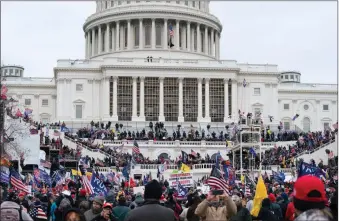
247,191
17,182
135,148
38,213
193,153
217,181
171,32
87,184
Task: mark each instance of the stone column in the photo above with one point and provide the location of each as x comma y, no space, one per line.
86,45
153,34
217,49
142,99
165,34
234,100
177,40
129,39
198,39
115,98
93,42
106,98
225,99
99,40
212,43
207,100
107,38
181,104
134,99
188,28
141,42
206,41
199,99
161,99
117,36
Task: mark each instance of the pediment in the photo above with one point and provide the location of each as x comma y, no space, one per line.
257,104
79,101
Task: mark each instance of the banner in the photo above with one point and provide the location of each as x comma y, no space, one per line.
185,179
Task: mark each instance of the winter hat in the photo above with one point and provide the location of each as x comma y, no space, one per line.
99,200
82,192
272,198
309,193
153,190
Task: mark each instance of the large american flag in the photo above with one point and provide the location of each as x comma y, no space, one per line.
38,213
171,32
217,181
135,148
17,182
87,184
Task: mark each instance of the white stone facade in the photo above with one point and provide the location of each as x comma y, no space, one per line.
131,75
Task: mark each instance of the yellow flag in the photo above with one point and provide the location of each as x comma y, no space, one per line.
184,168
76,173
242,179
260,194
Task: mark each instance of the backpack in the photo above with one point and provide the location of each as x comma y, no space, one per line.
10,212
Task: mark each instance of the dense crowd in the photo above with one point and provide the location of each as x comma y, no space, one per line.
306,199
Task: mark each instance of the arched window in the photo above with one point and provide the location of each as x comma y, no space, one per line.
158,38
136,34
306,124
148,30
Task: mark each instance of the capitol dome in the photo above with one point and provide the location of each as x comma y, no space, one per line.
147,28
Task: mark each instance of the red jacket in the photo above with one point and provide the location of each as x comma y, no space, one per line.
290,212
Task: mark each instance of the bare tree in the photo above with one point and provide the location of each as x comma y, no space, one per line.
16,131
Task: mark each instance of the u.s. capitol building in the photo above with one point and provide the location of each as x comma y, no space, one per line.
160,61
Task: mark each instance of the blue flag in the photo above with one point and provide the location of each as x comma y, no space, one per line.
125,172
308,169
252,151
98,186
225,169
182,191
278,176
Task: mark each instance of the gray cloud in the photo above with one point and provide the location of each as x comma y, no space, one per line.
295,35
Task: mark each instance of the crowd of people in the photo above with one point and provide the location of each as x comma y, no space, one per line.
306,199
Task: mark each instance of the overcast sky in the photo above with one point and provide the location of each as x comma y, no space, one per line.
298,36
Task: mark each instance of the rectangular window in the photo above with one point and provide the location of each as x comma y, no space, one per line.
78,111
16,72
186,3
282,76
326,126
147,32
78,87
193,3
257,91
119,2
128,2
27,101
44,102
325,107
286,125
292,77
286,106
178,2
112,3
10,71
286,76
158,35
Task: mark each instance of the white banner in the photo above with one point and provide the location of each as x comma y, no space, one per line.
185,179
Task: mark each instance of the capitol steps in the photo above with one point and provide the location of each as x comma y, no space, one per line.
319,153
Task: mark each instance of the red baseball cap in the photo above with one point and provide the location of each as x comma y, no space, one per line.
107,205
310,189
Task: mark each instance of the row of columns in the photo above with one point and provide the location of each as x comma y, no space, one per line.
141,116
92,41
